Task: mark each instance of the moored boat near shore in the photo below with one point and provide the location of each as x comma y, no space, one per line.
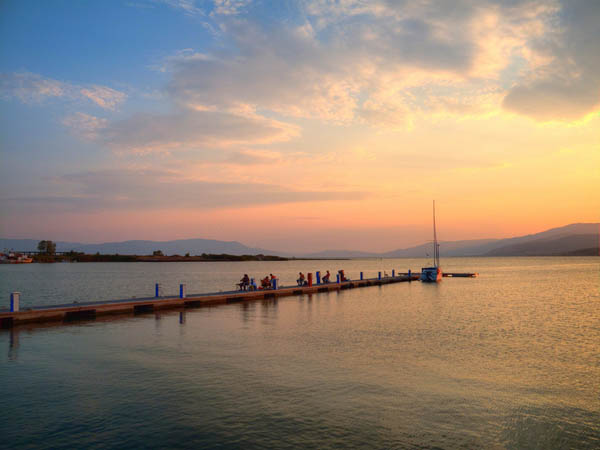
14,258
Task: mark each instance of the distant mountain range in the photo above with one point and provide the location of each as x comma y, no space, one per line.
178,247
574,239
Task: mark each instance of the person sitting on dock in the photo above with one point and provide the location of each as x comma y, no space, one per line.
326,277
300,280
265,283
244,282
342,276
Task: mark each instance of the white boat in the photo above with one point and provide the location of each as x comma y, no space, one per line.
433,274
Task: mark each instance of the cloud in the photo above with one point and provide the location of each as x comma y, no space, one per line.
229,7
567,86
103,96
190,129
188,6
33,88
380,62
151,189
221,7
30,87
85,125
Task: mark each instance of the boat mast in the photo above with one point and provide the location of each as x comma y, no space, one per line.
436,250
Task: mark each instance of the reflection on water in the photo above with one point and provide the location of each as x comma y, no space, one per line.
503,361
13,344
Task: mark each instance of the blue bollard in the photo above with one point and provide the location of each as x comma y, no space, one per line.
361,276
379,275
157,290
274,283
338,278
318,277
409,277
182,291
14,301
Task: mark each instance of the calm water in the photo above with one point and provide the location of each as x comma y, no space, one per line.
508,360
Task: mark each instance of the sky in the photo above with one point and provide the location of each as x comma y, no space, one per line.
298,125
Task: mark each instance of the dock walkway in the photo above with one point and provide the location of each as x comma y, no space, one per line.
90,310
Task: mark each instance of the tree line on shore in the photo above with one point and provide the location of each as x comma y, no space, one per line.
47,254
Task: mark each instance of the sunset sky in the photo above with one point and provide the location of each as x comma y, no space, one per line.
297,125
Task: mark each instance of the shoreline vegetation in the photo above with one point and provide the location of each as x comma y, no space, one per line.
82,257
210,257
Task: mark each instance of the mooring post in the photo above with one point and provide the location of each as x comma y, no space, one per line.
157,289
14,301
274,283
309,279
182,291
409,277
393,273
379,275
318,277
361,276
337,277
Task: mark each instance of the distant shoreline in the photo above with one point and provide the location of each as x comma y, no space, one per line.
81,257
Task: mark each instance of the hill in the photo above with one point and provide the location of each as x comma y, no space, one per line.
573,239
562,245
138,247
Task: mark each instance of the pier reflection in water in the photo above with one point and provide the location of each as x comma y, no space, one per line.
505,360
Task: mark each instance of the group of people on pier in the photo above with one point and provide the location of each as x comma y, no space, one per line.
268,282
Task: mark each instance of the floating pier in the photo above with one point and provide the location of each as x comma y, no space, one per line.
91,310
460,275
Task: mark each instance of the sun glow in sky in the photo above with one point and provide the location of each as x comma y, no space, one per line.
298,125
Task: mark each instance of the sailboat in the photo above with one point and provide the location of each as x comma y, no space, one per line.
433,274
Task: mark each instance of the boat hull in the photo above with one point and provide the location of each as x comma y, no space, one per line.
431,274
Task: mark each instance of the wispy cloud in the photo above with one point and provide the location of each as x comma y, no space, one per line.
229,7
33,88
30,87
85,125
188,6
151,189
103,96
185,130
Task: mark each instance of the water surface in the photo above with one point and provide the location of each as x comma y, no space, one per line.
507,360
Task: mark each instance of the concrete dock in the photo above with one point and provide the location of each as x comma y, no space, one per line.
91,310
